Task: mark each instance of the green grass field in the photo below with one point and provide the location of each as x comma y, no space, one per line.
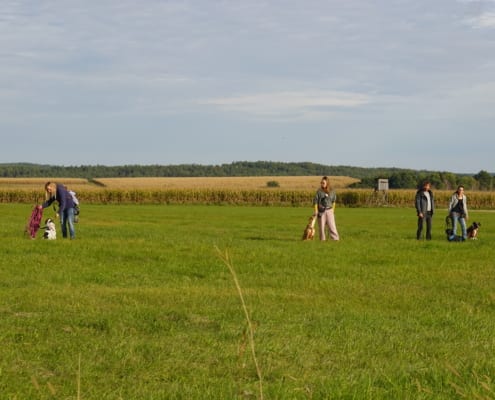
141,306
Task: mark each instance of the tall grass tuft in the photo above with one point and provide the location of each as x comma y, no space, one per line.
227,261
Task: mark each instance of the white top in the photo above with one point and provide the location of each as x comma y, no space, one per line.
428,201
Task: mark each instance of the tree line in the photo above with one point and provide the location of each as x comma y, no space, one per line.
399,178
408,179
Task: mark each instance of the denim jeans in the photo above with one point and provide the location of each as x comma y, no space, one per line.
67,218
456,217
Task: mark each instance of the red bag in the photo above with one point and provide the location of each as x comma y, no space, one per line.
34,222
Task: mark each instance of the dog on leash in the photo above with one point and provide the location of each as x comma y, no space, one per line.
309,231
50,230
472,231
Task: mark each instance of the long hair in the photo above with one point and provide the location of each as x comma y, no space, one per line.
327,188
53,187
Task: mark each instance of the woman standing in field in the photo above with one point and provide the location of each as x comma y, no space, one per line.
324,204
57,192
458,212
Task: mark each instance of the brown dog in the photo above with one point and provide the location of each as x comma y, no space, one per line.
309,231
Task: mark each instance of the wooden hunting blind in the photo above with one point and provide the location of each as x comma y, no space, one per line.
382,184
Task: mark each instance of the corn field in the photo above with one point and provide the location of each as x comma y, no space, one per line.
262,197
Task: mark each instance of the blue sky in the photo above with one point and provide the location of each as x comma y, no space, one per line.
408,84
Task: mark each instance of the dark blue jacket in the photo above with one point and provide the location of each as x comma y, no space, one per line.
63,197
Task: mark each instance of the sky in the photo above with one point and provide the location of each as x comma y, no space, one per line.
368,83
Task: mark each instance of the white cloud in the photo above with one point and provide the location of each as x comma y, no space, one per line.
290,104
483,21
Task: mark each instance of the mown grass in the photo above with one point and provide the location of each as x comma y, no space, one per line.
146,304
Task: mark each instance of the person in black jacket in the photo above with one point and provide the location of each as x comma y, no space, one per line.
57,192
425,206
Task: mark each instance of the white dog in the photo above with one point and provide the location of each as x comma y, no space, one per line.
50,230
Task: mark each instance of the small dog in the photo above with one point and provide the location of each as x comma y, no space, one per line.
472,231
50,230
309,231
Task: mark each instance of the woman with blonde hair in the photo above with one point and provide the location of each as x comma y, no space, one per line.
324,204
57,192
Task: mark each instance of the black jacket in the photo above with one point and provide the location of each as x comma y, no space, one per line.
421,202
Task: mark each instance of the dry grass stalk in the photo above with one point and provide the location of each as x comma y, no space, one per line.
226,259
79,378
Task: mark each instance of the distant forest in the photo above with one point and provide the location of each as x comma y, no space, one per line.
398,178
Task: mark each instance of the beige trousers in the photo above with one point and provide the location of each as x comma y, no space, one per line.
327,219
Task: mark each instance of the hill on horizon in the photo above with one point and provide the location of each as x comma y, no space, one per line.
399,178
239,168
